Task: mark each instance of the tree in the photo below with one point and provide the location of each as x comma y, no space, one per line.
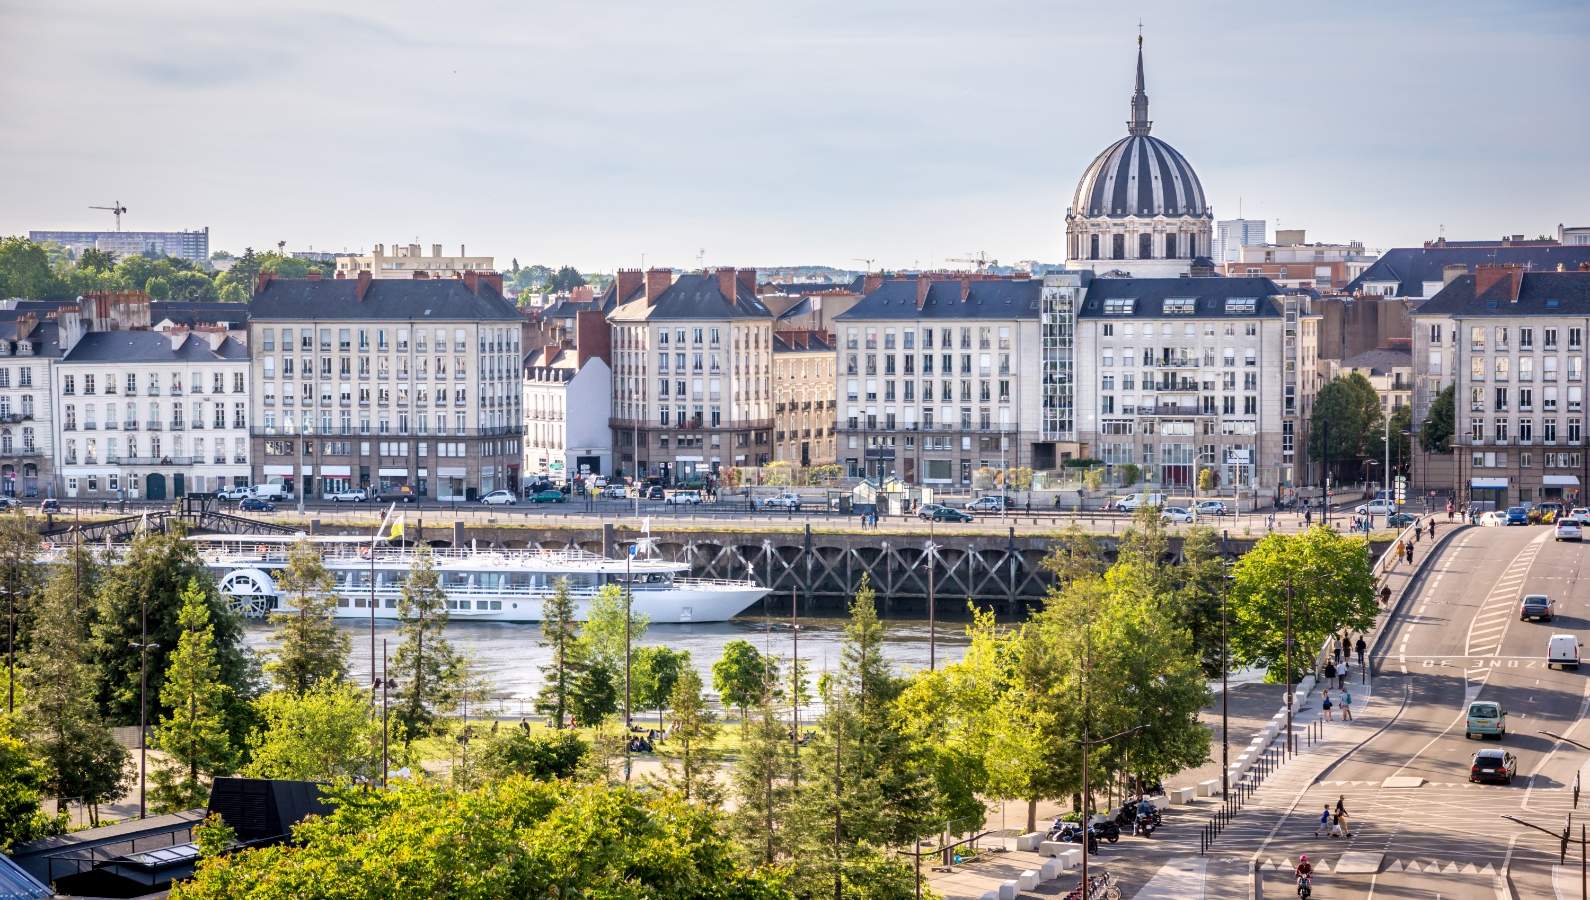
151,578
20,783
25,270
1076,554
309,647
566,662
158,287
542,757
322,733
429,672
511,838
1350,407
19,577
742,675
193,735
689,769
232,292
567,278
94,259
603,638
1400,424
595,694
1435,433
654,672
1328,578
763,785
1202,577
191,286
80,757
1208,479
1129,474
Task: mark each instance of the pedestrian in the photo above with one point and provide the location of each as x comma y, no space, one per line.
1336,825
1432,528
1329,671
1337,650
1361,647
1410,554
1308,517
1324,823
1449,510
1341,675
1402,547
1327,706
1341,804
1385,594
1346,824
1416,532
1347,705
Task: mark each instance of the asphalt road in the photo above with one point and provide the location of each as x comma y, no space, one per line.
1459,638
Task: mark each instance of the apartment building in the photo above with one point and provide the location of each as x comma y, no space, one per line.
1416,274
406,261
402,387
568,402
692,373
1191,373
191,245
29,347
938,377
1292,262
803,397
1512,344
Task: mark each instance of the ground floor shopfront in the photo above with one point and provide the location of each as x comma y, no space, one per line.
23,477
454,479
156,482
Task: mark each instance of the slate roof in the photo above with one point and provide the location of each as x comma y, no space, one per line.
150,347
1539,294
192,313
45,336
813,343
1209,296
695,296
436,299
1380,361
1411,267
1139,175
803,288
989,299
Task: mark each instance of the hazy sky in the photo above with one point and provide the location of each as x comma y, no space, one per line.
801,131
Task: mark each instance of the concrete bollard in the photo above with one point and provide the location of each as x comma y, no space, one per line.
990,895
1182,796
1007,889
1027,880
1029,842
1209,788
1070,858
1051,869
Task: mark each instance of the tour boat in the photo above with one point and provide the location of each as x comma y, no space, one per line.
481,585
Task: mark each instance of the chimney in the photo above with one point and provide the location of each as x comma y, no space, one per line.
261,281
177,336
26,322
966,288
748,279
472,281
657,281
314,274
461,250
922,286
213,335
1451,272
871,282
727,283
629,281
414,250
380,250
420,275
436,249
362,286
593,337
492,280
1486,277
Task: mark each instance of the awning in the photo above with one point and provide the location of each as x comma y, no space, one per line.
1489,484
336,470
387,473
1561,481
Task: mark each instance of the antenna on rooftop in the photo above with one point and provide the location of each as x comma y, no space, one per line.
115,209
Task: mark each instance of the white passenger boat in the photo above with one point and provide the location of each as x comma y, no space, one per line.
481,585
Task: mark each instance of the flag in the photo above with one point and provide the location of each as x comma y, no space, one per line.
397,528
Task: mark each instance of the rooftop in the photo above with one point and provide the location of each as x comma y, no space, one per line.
152,347
1189,298
1539,294
433,299
1380,361
1412,267
697,295
948,298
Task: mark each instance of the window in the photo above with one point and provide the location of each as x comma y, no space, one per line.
1550,335
1526,337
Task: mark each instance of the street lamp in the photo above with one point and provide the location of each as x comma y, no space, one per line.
304,432
629,594
1225,694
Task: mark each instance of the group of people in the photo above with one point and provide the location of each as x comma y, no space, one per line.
1334,822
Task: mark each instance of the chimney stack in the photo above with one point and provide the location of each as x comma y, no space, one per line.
657,281
727,283
748,279
629,281
261,281
966,287
922,287
593,337
362,286
1486,277
1451,272
472,281
436,249
871,282
314,274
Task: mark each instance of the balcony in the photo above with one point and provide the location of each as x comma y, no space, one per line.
20,451
13,418
130,425
152,460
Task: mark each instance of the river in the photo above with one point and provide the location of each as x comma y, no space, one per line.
509,655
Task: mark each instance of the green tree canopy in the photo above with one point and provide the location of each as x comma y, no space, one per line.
566,662
1435,433
21,781
1328,578
653,672
322,733
193,735
25,270
603,637
544,757
309,647
1349,409
429,672
742,675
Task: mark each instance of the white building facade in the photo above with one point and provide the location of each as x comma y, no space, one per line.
567,405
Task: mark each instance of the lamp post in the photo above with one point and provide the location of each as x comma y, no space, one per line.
1291,746
933,632
1225,694
629,594
303,449
386,760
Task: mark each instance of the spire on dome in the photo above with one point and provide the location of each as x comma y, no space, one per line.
1139,124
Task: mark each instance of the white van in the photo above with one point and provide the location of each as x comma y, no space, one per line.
1135,501
1562,650
276,491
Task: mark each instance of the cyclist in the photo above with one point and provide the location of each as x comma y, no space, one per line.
1304,870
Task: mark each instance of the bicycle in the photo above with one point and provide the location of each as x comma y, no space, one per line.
1100,887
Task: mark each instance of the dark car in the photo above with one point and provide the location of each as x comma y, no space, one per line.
1494,764
1517,515
948,514
656,492
1535,606
255,504
1399,520
51,505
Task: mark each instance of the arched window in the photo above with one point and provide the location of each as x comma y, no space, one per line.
1118,246
1093,246
1170,246
1145,246
1192,246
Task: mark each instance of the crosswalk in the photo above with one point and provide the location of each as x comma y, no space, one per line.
1422,864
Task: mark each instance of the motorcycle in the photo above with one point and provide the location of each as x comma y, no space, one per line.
1129,816
1071,832
1146,824
1305,886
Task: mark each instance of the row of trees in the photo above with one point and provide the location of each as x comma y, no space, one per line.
1349,425
47,272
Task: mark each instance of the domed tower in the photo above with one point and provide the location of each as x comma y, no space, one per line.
1139,207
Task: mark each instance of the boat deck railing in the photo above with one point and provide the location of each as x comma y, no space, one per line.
246,553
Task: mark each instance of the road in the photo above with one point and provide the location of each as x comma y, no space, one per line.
1458,638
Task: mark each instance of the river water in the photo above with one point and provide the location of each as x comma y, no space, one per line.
509,655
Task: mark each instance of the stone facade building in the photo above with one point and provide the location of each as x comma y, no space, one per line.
568,402
803,398
406,387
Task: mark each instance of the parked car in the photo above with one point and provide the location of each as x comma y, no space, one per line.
786,500
255,504
234,493
1567,530
989,503
549,496
504,498
9,503
51,505
615,492
1212,508
1536,606
357,495
1131,502
685,498
1493,764
1400,520
948,514
276,491
1517,515
1175,515
1493,518
1581,515
655,492
1376,508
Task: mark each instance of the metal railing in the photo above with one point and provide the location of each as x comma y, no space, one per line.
1273,757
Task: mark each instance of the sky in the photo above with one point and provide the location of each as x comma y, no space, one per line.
752,133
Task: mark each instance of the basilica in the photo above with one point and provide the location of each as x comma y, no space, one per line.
1139,209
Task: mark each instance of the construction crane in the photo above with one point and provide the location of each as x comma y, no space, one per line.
115,209
860,259
980,261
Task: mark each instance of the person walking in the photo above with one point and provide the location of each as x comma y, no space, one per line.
1338,652
1341,675
1385,594
1361,647
1336,825
1345,824
1324,823
1330,672
1308,517
1341,804
1328,706
1409,549
1347,705
1449,510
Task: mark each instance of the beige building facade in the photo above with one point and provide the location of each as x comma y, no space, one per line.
803,398
406,261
